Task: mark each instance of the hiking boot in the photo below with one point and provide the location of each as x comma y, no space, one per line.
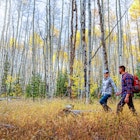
106,108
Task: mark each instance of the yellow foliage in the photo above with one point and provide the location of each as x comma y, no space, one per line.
138,59
54,57
125,38
115,37
78,76
55,31
86,35
78,37
135,9
111,36
10,79
37,40
129,49
116,80
134,50
126,52
17,90
97,31
93,87
12,42
62,56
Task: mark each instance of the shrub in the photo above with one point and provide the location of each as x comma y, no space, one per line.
36,87
5,75
62,82
17,90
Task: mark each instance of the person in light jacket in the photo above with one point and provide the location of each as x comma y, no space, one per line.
106,91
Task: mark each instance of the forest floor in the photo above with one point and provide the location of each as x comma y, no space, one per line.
45,120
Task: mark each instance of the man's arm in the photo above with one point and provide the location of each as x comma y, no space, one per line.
114,86
129,83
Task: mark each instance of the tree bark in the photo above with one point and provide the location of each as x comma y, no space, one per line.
89,53
103,36
72,45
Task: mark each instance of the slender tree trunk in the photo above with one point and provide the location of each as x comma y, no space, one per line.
45,51
72,46
83,20
4,40
89,53
33,42
4,23
50,51
68,52
60,35
138,33
109,40
120,35
33,46
81,47
25,39
130,45
103,36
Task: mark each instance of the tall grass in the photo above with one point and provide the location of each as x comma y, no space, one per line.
27,120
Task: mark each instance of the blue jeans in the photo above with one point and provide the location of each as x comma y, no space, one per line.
103,100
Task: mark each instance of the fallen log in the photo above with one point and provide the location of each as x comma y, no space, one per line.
7,126
69,109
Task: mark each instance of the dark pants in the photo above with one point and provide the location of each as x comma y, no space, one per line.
103,102
122,103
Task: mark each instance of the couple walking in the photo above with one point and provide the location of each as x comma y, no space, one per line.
126,93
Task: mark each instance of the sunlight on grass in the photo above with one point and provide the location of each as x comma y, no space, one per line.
46,120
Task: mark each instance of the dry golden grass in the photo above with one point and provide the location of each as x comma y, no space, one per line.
25,120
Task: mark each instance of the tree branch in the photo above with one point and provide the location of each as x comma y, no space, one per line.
110,33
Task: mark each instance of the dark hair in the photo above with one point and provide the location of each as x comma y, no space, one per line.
122,67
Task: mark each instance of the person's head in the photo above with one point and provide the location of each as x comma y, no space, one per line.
121,69
106,73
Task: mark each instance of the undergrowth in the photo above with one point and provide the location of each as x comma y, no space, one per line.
45,120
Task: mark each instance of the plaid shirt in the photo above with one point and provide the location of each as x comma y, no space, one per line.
127,84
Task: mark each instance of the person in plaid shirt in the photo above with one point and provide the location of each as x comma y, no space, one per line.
127,91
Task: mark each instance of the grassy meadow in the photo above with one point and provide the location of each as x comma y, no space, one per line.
45,120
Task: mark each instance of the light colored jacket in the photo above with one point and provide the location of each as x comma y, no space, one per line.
107,86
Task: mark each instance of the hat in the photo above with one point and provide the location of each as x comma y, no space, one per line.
106,71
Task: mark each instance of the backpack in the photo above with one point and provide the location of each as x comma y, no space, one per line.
136,84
